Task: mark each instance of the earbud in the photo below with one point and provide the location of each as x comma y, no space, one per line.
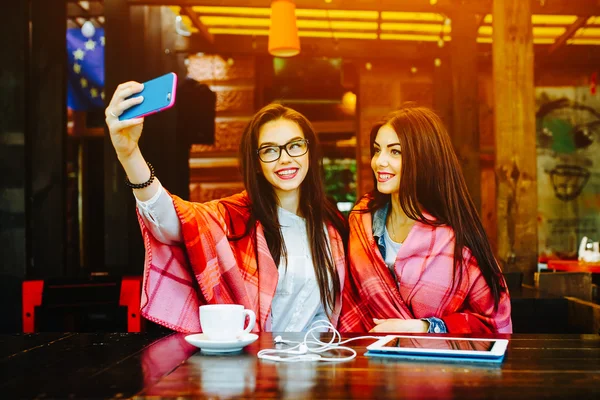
302,349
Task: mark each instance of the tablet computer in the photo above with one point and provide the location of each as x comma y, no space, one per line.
440,346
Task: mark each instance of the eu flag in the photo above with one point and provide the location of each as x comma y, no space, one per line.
86,70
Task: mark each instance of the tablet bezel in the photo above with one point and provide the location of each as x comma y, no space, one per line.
498,348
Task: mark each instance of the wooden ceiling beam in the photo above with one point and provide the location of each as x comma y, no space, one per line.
202,29
316,47
74,10
565,7
568,34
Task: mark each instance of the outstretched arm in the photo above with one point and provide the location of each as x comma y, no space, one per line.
125,136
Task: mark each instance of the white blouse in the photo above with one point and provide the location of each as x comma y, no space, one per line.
297,301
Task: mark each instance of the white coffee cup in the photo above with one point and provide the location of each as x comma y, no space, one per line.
225,322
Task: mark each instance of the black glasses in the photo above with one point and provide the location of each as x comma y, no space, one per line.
295,148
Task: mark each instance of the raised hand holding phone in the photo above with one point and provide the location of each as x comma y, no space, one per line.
125,128
131,102
124,134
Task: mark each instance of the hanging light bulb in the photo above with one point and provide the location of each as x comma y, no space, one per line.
88,29
283,33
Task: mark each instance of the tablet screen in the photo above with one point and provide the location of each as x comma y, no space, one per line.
440,344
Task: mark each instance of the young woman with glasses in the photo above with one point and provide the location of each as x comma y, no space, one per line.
419,259
277,248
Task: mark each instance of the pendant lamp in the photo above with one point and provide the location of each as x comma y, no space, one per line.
283,33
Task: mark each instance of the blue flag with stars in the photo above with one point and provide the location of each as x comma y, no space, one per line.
85,89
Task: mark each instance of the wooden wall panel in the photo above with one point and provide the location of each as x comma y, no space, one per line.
214,170
382,89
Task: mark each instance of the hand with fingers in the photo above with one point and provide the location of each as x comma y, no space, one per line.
124,134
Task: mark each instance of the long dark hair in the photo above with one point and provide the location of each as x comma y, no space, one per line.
314,205
431,180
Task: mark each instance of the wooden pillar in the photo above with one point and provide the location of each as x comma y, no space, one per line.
442,91
32,139
119,204
14,53
465,99
45,141
514,109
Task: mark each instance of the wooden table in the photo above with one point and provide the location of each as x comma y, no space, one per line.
155,365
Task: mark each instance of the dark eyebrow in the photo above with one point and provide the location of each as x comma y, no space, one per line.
267,144
389,145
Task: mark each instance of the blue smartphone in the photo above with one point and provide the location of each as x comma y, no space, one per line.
159,94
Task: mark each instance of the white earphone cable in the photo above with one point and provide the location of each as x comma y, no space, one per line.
301,351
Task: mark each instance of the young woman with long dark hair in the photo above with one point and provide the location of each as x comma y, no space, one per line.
277,248
420,260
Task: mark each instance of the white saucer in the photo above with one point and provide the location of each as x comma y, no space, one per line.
216,346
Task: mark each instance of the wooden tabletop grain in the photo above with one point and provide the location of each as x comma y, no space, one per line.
159,365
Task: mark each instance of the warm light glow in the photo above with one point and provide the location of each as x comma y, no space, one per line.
593,21
411,16
354,25
283,33
437,62
403,36
301,23
322,34
349,101
543,19
362,24
538,31
369,66
488,39
336,14
584,41
354,35
548,31
553,19
588,32
187,22
400,26
238,31
338,34
338,25
235,21
353,14
485,30
247,11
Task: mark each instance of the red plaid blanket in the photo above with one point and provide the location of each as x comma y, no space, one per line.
424,269
211,269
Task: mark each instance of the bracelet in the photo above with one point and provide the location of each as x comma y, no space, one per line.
142,185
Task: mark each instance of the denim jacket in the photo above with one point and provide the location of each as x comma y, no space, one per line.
436,325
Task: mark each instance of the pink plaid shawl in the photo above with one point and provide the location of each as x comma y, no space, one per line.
424,270
212,269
